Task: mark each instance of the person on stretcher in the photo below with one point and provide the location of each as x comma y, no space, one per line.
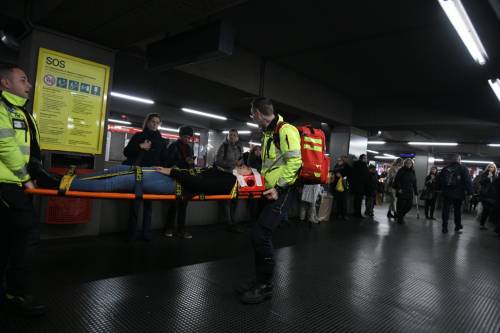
159,180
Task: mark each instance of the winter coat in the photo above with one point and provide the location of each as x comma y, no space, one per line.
359,177
176,155
372,184
228,155
487,192
405,183
146,158
454,181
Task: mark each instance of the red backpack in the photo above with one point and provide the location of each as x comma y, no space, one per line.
315,163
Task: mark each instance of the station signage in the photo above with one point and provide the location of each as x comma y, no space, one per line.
70,102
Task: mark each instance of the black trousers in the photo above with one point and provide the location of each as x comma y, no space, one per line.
18,218
177,208
488,211
457,210
403,206
227,211
261,236
341,203
430,205
147,210
358,200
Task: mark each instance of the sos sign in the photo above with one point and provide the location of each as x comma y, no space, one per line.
55,62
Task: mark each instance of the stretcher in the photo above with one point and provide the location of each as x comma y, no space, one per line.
246,187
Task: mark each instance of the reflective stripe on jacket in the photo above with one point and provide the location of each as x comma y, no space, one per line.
14,139
281,166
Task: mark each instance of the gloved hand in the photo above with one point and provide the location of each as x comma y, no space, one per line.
42,177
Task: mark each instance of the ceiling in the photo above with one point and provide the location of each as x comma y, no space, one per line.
401,63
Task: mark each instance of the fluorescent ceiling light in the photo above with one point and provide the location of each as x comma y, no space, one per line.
460,20
239,132
197,134
432,160
376,142
476,162
204,114
385,157
169,129
132,98
433,143
494,145
252,125
119,121
372,151
390,155
255,143
495,86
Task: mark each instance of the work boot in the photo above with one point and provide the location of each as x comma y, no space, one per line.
26,305
459,228
258,294
169,233
245,286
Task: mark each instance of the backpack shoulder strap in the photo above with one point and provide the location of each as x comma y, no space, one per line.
276,134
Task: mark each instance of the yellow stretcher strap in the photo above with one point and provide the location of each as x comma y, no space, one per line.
66,180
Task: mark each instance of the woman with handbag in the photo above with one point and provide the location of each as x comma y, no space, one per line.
429,194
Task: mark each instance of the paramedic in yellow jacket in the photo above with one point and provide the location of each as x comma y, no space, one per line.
280,168
18,140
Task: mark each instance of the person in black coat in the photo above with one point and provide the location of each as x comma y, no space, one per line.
358,182
145,149
339,190
454,183
487,193
180,155
371,190
405,184
430,193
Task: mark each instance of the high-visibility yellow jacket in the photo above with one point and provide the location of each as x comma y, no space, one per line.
15,139
280,167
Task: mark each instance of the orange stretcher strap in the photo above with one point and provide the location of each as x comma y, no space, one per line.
132,196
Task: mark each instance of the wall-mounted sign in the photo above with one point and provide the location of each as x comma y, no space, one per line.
70,102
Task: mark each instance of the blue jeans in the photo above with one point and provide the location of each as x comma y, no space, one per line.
152,183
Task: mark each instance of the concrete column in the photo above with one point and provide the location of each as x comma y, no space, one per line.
347,141
421,169
28,57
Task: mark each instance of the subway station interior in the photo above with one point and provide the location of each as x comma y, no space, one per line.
416,81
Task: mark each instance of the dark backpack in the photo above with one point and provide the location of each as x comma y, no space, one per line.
451,177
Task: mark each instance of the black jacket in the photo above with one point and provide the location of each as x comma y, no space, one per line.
431,185
454,181
487,192
146,158
359,177
372,184
405,183
176,155
204,181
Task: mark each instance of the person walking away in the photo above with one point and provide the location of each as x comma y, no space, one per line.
405,185
487,194
179,155
281,162
389,189
371,191
358,183
430,193
19,141
454,183
229,155
145,149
